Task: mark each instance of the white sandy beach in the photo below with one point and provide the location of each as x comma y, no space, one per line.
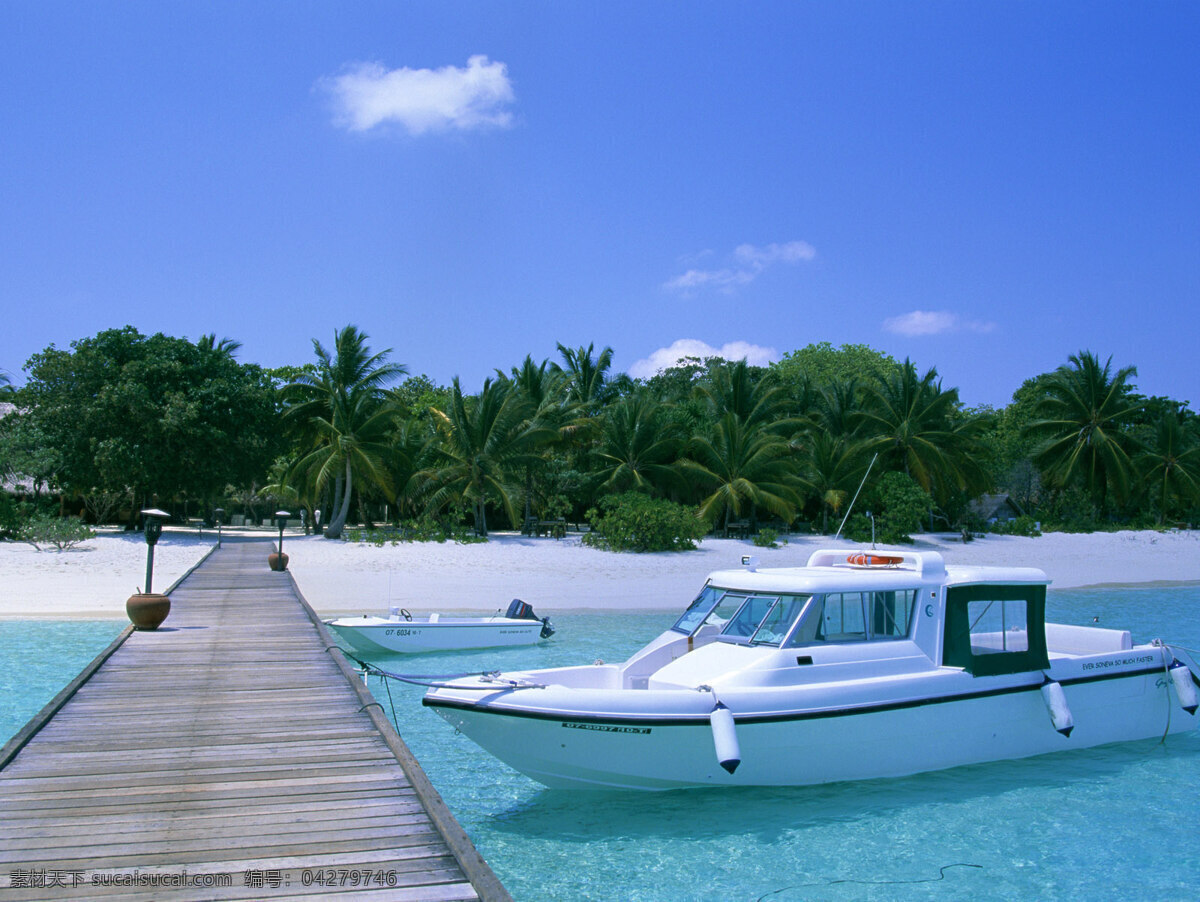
94,579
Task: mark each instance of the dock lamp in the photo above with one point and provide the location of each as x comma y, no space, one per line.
279,560
148,609
152,525
218,513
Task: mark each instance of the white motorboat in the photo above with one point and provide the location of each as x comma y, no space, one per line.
400,632
855,666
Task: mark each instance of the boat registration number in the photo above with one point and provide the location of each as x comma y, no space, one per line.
402,632
605,728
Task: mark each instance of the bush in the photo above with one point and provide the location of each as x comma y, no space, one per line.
10,520
61,532
422,530
635,522
901,506
767,538
1023,525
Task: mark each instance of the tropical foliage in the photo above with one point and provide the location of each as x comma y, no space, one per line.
149,417
342,420
709,444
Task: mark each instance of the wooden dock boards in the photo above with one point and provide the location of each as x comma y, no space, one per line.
231,754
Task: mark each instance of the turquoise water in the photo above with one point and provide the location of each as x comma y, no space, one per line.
1108,823
40,657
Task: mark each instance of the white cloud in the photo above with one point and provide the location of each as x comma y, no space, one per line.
663,358
933,322
748,263
422,100
792,252
720,278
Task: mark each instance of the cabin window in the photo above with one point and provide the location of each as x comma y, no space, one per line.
996,629
857,617
843,619
693,618
743,617
998,626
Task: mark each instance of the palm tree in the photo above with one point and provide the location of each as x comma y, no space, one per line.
745,467
833,467
484,440
226,346
639,446
1169,465
586,374
918,429
542,388
344,418
733,389
408,456
1080,423
837,408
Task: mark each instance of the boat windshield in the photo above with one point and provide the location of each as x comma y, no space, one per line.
743,617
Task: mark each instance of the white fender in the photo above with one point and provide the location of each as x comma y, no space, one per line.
1056,704
1181,676
725,739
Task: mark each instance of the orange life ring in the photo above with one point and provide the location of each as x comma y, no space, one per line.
874,560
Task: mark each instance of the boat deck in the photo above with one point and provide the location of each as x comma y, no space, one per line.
230,754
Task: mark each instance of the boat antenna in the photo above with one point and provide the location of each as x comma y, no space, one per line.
855,498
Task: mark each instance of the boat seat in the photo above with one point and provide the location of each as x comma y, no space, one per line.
433,618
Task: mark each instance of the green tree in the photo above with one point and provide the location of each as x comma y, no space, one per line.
822,364
739,389
639,447
918,429
343,417
1080,427
1169,464
744,467
409,455
484,441
833,468
898,506
542,389
227,346
586,375
157,416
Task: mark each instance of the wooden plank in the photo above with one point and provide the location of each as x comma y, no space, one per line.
232,741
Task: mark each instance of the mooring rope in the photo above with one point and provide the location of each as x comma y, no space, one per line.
1192,667
437,681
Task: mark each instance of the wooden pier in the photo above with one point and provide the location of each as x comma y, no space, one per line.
230,754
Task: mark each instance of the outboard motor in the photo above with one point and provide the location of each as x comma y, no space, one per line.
519,610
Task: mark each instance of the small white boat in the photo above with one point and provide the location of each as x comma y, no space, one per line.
399,632
855,666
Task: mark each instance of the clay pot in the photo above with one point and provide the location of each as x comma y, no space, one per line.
147,610
277,560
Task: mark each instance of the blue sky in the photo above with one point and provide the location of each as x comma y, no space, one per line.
982,187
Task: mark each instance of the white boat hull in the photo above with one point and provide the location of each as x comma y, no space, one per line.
397,636
663,738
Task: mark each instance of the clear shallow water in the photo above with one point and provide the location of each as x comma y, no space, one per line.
38,658
1114,822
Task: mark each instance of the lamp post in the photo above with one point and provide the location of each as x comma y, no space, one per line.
152,525
148,609
218,513
279,560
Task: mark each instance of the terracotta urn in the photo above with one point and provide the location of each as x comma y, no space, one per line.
147,610
278,560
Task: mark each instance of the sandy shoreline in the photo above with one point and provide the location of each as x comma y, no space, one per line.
93,580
